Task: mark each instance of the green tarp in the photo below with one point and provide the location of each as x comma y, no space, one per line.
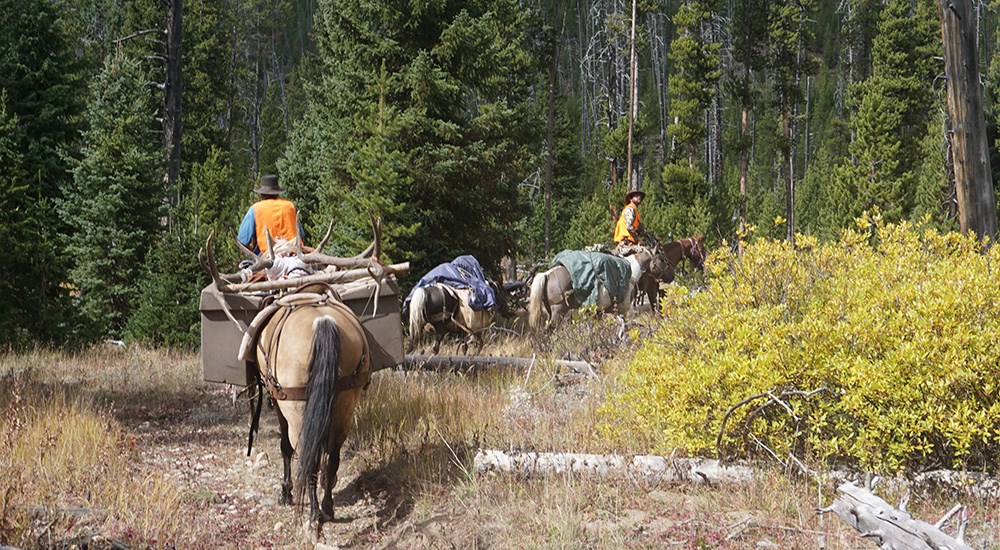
587,269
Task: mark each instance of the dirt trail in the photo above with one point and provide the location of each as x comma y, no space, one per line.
230,499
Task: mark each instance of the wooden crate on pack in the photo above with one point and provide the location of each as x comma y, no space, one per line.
221,338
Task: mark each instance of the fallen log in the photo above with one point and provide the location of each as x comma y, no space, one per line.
658,468
890,527
458,362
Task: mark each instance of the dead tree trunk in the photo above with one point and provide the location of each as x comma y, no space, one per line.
889,527
461,362
172,96
660,468
973,179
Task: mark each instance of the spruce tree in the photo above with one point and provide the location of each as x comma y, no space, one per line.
16,223
421,113
892,113
115,201
43,107
789,32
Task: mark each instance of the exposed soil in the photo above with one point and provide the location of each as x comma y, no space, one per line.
231,499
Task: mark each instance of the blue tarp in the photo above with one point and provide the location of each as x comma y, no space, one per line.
462,272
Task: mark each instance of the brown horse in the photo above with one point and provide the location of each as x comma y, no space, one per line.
552,295
313,358
670,255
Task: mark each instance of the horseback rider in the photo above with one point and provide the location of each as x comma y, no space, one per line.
271,211
629,229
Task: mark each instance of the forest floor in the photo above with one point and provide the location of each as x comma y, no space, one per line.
406,478
231,499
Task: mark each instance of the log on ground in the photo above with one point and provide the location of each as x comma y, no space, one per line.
463,362
654,468
887,526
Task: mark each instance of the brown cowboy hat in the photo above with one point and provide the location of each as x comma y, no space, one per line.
269,186
632,193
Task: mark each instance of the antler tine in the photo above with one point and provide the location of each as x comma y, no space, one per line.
377,231
329,231
270,243
246,251
367,251
213,270
376,269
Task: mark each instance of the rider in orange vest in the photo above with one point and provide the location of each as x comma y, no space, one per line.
278,215
629,229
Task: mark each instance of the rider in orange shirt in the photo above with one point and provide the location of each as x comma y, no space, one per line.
629,229
278,215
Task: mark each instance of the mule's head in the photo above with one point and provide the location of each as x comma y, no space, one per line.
695,251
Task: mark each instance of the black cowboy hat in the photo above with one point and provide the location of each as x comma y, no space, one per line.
269,186
632,193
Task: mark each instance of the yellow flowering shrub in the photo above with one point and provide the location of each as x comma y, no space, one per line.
897,326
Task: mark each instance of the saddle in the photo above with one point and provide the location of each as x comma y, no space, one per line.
278,310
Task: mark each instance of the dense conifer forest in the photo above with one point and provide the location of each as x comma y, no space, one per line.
131,129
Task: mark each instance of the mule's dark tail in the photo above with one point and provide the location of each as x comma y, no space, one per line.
324,369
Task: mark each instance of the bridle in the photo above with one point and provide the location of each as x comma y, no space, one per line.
695,254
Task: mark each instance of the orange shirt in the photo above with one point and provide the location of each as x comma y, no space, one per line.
621,229
279,217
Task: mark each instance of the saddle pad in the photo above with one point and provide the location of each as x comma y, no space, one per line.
462,272
588,269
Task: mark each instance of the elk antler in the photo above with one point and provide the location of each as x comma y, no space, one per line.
246,251
317,256
210,266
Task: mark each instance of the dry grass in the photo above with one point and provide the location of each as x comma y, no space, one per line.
69,423
68,463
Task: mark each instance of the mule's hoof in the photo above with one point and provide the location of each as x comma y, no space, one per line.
286,498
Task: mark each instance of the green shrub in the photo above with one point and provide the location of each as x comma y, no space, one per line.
898,324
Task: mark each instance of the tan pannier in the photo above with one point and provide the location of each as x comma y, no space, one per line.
221,338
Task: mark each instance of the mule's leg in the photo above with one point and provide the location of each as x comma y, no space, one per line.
286,456
558,312
332,465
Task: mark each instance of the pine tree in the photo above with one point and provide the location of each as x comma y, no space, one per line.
420,113
695,78
43,105
892,113
115,202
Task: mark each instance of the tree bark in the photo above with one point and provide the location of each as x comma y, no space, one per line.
694,470
172,96
633,108
890,528
973,178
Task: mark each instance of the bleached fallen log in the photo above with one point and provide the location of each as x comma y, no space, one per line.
891,528
454,362
658,468
960,484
